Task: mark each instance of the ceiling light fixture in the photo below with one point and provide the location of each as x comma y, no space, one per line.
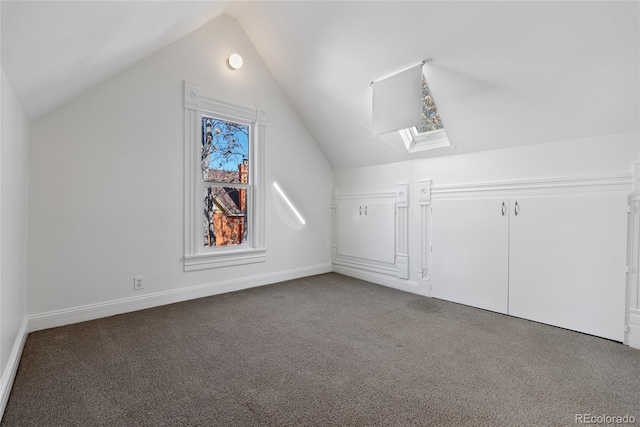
234,61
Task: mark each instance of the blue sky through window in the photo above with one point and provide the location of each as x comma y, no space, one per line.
225,145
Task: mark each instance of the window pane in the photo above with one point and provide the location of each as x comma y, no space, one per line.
430,116
225,151
225,211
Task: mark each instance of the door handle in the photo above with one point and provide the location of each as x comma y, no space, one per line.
365,210
360,210
504,208
516,209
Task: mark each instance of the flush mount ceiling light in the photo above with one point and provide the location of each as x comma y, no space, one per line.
234,61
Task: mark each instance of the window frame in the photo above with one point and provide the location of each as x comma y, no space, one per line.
430,140
196,255
248,186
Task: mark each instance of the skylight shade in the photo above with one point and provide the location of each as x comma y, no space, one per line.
397,101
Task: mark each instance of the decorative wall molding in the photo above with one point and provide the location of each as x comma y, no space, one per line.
231,111
334,198
9,374
83,313
402,231
619,182
424,192
366,264
400,267
633,278
262,111
227,259
196,256
633,339
634,252
191,226
380,279
424,202
636,180
334,206
385,195
191,96
402,195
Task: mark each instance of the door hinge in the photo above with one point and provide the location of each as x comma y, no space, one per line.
627,269
628,208
626,328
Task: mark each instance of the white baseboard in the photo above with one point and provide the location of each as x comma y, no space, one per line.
68,316
360,264
381,279
9,374
633,339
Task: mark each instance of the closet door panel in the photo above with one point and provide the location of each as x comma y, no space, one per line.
365,229
379,231
470,252
349,232
567,262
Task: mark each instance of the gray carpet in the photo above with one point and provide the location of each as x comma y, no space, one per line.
326,350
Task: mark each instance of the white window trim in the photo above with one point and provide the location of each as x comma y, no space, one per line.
196,256
429,140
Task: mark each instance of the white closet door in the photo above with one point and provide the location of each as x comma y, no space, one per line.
349,234
470,252
567,262
379,231
365,228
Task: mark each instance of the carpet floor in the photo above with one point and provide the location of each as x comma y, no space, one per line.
326,350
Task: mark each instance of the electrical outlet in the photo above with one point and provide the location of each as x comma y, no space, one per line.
138,283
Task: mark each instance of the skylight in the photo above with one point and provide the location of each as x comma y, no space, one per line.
430,133
430,116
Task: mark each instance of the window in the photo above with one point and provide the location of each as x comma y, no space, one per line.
430,133
224,157
431,120
224,196
403,103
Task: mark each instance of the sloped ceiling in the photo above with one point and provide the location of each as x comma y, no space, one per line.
502,73
54,50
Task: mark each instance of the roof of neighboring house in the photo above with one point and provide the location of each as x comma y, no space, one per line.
227,199
219,175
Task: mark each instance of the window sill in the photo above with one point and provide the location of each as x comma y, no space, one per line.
431,140
224,259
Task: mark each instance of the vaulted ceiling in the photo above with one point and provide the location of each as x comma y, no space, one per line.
502,73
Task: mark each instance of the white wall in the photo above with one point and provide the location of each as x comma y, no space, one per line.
606,155
106,179
13,234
